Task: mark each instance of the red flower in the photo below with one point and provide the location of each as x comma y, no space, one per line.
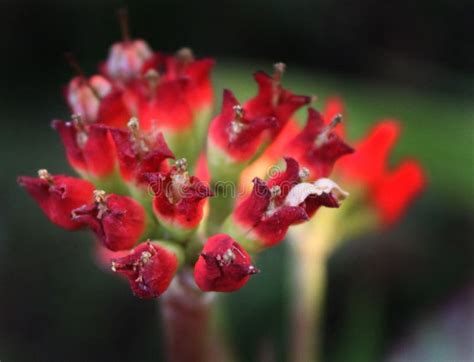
84,95
170,91
273,100
223,266
90,149
140,152
198,90
97,100
149,268
178,198
118,221
127,59
58,195
163,104
235,134
317,147
272,207
391,191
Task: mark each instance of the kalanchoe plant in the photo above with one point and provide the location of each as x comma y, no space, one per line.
149,211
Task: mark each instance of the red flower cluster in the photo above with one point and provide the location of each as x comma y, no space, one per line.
144,104
319,143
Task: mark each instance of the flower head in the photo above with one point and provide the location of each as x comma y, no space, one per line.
147,106
223,266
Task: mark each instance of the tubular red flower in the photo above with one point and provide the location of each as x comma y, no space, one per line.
149,268
390,191
273,206
235,134
272,100
90,149
139,152
368,164
58,195
223,266
178,198
397,189
165,106
118,221
198,87
316,146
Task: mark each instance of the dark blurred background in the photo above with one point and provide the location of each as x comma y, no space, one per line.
398,295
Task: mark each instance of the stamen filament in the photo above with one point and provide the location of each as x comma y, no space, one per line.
122,15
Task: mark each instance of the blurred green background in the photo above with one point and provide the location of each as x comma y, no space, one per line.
404,294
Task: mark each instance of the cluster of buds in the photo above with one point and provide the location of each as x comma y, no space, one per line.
149,160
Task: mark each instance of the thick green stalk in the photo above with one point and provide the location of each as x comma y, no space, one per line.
311,245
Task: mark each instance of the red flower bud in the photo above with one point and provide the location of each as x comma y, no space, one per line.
118,221
84,95
127,59
317,147
234,133
178,198
90,149
263,218
139,152
58,195
273,100
223,266
149,268
96,100
391,191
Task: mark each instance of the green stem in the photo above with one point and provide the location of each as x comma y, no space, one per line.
311,246
308,305
309,251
